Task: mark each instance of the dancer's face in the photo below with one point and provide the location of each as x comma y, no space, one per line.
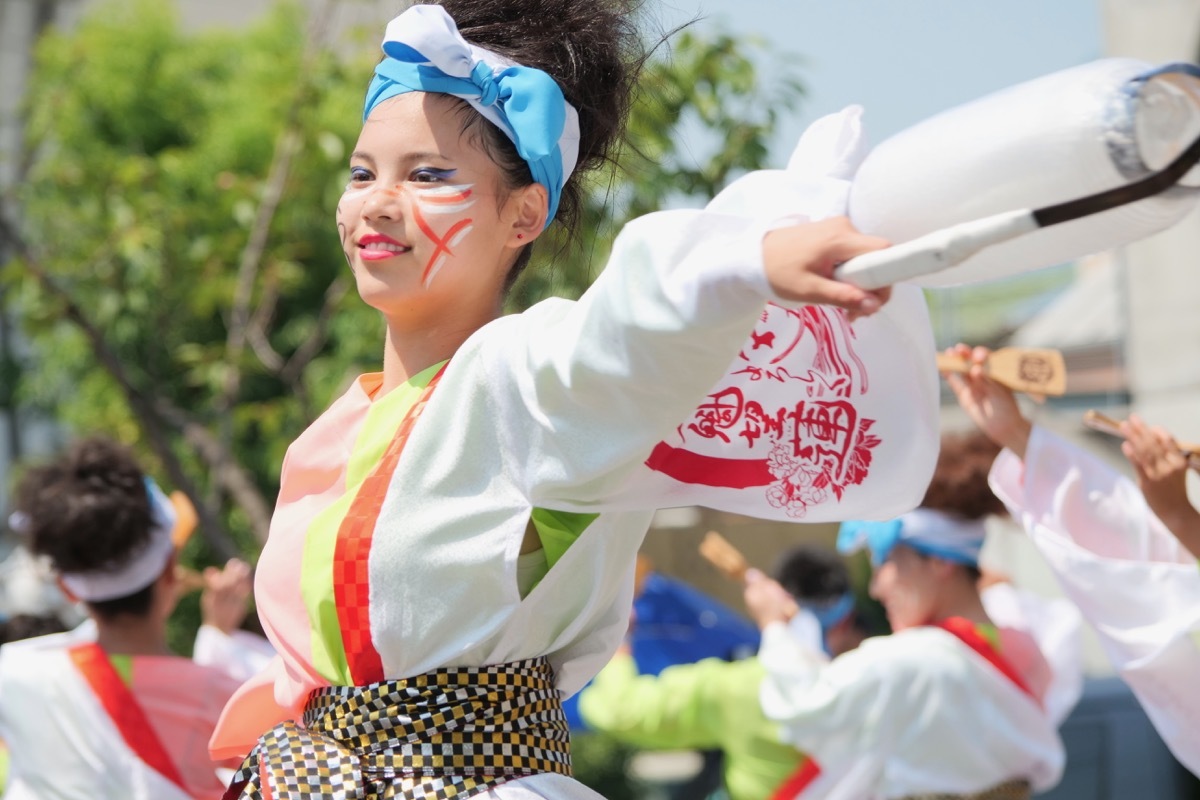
426,223
908,585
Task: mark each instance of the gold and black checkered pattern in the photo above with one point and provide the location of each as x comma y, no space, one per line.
1009,790
452,733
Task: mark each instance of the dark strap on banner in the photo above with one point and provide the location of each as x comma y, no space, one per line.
1109,199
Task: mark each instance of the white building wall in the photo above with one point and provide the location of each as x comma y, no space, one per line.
1163,275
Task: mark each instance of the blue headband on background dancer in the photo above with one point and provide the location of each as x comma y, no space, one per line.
867,717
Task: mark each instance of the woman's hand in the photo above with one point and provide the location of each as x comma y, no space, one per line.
799,261
225,600
991,406
767,601
1161,469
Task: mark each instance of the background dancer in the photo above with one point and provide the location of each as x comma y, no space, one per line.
949,705
713,704
1129,572
107,710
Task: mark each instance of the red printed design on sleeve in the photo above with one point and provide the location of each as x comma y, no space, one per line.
785,418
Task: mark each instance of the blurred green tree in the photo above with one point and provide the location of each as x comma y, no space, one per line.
177,268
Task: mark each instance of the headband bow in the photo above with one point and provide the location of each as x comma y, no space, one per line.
424,52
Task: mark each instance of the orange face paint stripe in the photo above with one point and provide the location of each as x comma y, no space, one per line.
446,199
122,707
351,579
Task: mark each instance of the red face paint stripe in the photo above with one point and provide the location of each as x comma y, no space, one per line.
123,708
441,243
351,578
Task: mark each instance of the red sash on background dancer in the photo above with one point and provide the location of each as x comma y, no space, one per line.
966,632
960,628
124,710
798,781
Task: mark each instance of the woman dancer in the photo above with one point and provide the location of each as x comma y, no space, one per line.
452,552
107,710
951,705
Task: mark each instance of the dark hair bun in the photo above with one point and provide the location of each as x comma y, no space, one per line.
812,573
88,510
591,48
960,479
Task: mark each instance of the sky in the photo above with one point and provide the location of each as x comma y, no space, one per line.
904,60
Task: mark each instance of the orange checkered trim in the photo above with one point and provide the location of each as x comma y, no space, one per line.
351,578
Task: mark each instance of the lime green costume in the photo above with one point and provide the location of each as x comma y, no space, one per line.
709,705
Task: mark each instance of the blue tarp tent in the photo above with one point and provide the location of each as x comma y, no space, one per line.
675,623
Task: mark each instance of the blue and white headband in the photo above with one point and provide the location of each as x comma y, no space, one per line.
426,53
831,613
924,530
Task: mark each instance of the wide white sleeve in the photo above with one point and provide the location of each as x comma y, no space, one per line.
586,389
1057,628
760,407
841,712
1130,578
239,654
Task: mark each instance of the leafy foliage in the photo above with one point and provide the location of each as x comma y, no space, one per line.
152,152
701,119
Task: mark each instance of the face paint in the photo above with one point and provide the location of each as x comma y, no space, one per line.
343,235
442,200
424,223
445,199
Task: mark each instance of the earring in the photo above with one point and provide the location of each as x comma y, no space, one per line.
520,236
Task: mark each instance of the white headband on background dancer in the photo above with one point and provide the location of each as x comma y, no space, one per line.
929,532
426,53
137,572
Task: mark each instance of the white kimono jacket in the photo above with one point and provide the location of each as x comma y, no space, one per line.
916,711
1129,576
559,408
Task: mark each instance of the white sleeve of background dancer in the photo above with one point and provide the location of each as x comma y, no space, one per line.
1063,490
239,654
1130,578
1057,627
585,390
840,711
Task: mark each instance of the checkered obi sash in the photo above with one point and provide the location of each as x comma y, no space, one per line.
451,733
1009,790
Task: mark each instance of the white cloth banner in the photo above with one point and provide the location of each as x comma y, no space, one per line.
1057,138
818,418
